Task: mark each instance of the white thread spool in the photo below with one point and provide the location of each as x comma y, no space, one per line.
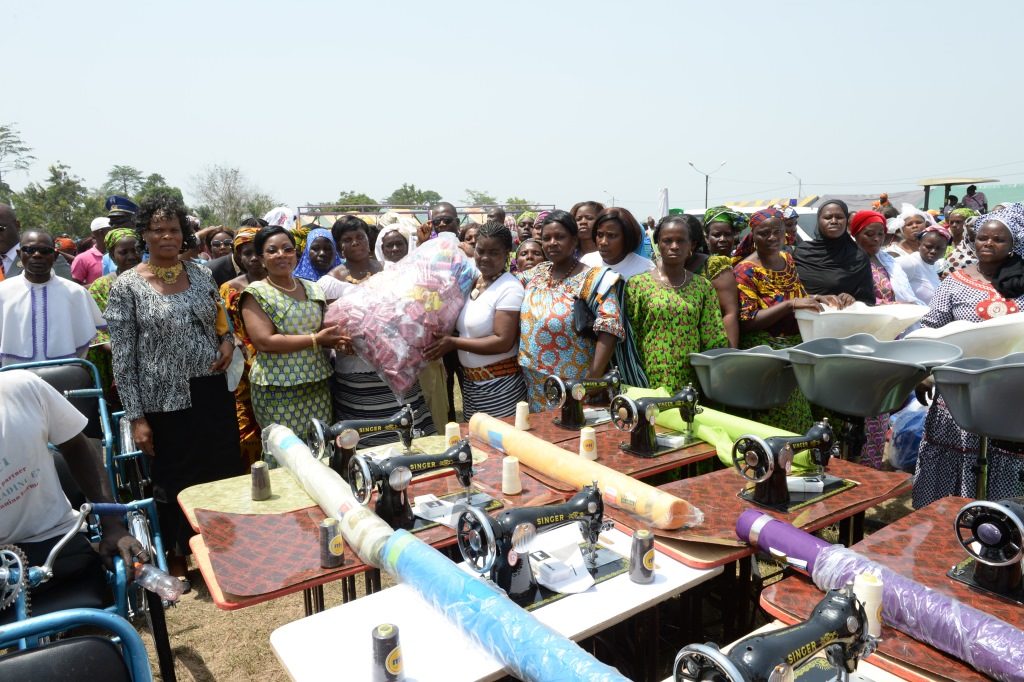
511,483
868,589
452,434
523,416
588,443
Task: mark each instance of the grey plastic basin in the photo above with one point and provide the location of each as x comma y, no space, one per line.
757,378
861,376
985,396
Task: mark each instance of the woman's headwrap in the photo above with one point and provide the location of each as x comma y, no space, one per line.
244,236
937,229
117,234
746,245
724,214
1009,281
305,268
965,212
540,217
65,244
403,227
526,215
861,220
835,266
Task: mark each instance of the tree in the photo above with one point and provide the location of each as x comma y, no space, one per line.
355,199
63,204
15,155
408,195
517,204
155,185
124,180
475,198
227,196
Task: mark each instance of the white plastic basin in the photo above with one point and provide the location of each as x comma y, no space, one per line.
991,339
884,322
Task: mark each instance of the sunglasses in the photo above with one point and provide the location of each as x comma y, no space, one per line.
221,242
442,221
33,250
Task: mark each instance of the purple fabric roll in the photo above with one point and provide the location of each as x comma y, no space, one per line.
778,537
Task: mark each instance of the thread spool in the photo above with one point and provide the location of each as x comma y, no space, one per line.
867,587
511,483
588,443
452,434
260,481
523,416
387,654
641,557
332,544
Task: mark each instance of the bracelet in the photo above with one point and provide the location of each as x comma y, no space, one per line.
316,346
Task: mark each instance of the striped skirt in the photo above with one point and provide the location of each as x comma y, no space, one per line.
364,395
496,397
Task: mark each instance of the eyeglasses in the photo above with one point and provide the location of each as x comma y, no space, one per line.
447,220
221,242
33,250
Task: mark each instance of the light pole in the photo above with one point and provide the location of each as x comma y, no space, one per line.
799,185
611,196
707,178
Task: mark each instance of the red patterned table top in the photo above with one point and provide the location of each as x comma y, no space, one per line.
921,546
542,425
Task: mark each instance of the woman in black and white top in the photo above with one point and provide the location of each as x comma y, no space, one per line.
169,363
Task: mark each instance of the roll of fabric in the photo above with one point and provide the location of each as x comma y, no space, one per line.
655,506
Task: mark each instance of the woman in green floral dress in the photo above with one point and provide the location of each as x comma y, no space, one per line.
123,246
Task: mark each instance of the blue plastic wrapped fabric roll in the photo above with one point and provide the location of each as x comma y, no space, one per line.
532,651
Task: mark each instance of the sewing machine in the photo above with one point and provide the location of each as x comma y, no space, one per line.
339,441
568,394
993,534
838,626
391,477
498,546
767,462
637,417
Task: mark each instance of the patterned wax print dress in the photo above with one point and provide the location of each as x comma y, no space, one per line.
248,428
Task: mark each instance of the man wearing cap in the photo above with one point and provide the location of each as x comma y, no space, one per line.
10,260
88,265
121,211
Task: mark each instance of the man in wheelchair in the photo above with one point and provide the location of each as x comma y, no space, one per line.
34,510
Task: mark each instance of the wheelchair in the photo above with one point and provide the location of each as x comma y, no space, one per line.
127,471
89,657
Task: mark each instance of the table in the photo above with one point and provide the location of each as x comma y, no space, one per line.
432,648
233,495
921,546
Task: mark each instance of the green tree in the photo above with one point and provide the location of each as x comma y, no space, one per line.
356,199
476,198
156,185
62,204
15,155
227,196
123,180
408,195
517,204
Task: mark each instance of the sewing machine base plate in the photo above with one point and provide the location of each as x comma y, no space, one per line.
963,572
667,442
609,565
476,499
833,486
592,416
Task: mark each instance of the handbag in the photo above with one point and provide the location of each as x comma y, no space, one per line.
583,318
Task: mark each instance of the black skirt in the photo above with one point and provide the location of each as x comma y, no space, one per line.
196,445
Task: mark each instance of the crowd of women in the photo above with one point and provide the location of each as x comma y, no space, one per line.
567,293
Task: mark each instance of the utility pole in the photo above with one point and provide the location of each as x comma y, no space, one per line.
707,179
799,186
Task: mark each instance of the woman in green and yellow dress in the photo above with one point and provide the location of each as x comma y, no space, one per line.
123,246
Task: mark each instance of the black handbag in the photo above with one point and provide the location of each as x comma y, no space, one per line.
583,318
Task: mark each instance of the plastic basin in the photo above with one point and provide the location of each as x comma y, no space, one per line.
984,396
757,378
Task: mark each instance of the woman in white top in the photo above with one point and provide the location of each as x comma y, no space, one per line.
488,327
922,267
619,239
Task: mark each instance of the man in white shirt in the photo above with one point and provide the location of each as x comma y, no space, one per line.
34,511
10,233
43,317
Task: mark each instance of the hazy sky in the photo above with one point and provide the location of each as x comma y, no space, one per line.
552,101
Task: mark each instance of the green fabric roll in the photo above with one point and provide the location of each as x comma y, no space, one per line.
721,430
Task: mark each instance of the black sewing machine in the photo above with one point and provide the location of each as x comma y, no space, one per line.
391,478
767,462
498,546
339,441
993,534
568,394
637,417
838,626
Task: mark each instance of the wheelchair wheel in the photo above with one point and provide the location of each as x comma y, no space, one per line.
150,605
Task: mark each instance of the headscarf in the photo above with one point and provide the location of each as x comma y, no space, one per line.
746,245
1009,281
862,219
65,244
963,254
835,266
305,268
906,210
244,236
539,219
963,211
526,215
116,235
403,228
937,229
724,214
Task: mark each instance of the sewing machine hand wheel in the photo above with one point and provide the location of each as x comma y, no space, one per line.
476,539
704,663
554,391
990,533
361,479
316,438
753,459
625,413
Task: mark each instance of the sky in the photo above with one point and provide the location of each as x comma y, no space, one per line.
553,101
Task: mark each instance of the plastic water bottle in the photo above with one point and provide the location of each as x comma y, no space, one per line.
158,582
